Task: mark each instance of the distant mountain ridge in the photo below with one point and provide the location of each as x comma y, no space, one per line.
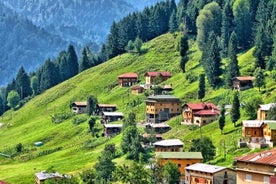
34,30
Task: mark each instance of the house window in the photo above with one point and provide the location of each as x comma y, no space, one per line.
255,132
248,177
266,180
248,132
179,165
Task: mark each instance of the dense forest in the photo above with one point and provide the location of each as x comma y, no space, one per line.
222,29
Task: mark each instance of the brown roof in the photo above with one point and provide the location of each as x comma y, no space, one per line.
154,74
267,157
107,105
137,87
80,103
199,106
128,75
245,78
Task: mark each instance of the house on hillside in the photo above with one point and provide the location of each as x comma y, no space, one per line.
260,133
263,110
137,90
199,113
155,129
169,145
111,116
152,77
79,107
200,173
42,176
257,168
112,129
181,159
128,79
105,108
160,108
242,82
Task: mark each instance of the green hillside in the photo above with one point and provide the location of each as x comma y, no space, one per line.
70,148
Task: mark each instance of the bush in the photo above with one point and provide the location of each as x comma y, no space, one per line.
79,119
61,116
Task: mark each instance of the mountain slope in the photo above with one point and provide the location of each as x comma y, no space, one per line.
70,148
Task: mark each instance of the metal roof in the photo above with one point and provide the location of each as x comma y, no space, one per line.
43,175
113,125
169,142
267,157
205,168
266,107
256,123
179,155
112,113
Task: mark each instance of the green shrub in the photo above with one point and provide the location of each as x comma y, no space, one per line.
61,116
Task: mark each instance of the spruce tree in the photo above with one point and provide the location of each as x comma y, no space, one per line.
183,49
113,41
23,86
232,70
173,25
64,68
72,60
84,61
49,76
235,110
141,26
92,102
201,87
221,120
259,78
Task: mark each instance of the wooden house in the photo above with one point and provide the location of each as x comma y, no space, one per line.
79,107
181,159
160,108
168,145
128,79
137,90
112,116
201,173
151,77
42,176
269,133
263,110
105,108
257,168
158,128
112,129
199,113
242,82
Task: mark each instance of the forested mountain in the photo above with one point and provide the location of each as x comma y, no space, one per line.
23,44
34,30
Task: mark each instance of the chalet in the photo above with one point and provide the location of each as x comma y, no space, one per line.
181,159
137,90
105,108
168,145
160,108
260,132
112,116
156,76
257,168
199,113
112,129
263,110
242,83
79,107
158,128
43,175
128,79
209,174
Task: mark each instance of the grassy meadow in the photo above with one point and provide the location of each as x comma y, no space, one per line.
70,148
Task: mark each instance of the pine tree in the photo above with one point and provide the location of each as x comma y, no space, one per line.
201,87
226,27
84,61
211,61
49,76
141,26
113,41
64,68
235,110
183,49
173,25
72,60
232,70
222,118
92,102
23,86
259,78
243,24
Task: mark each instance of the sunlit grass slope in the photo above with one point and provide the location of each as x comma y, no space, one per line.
64,143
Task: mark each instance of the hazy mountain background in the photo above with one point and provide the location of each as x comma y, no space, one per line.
33,30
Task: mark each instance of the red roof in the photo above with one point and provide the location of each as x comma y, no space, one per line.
154,74
245,78
207,112
267,157
199,106
129,75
